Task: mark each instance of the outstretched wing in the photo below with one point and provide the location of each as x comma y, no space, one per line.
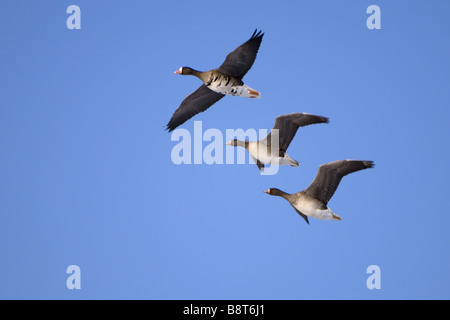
196,102
287,126
329,176
239,61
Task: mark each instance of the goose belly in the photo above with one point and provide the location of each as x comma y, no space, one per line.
263,156
310,209
260,154
224,85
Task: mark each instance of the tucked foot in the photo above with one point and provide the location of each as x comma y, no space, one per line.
254,94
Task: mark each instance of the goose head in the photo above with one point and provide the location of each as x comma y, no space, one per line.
236,143
275,192
185,71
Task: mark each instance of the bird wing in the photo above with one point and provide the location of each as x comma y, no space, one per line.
287,126
198,101
304,216
329,176
240,60
258,163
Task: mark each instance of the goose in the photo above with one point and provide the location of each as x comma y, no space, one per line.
284,130
225,80
312,202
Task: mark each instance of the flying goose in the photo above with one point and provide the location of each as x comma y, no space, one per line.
225,80
284,130
312,202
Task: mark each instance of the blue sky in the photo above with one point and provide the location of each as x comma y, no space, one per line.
86,176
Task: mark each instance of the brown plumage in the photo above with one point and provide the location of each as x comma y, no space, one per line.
313,201
227,79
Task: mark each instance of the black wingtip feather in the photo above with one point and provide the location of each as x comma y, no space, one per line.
171,126
369,164
257,34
